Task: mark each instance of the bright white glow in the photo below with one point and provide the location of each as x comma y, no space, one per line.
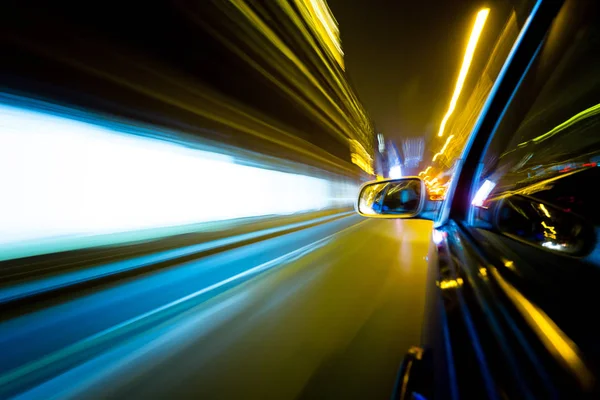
483,192
395,172
381,142
553,246
437,236
62,177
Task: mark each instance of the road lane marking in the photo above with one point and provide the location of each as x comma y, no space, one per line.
45,285
107,334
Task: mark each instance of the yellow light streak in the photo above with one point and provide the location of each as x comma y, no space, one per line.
555,340
361,163
590,112
263,28
327,28
361,157
443,148
550,228
544,210
450,283
464,69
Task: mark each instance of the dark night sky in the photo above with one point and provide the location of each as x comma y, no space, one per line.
403,57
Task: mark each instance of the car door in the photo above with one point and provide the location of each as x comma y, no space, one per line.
514,263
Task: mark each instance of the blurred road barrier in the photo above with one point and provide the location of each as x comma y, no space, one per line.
29,279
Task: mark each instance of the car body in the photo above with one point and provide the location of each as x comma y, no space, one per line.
514,267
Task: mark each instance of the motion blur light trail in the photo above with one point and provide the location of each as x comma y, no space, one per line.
319,15
443,148
311,302
334,104
587,113
266,78
476,31
482,193
493,46
464,69
145,217
71,178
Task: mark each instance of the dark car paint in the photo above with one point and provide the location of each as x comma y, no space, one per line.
479,339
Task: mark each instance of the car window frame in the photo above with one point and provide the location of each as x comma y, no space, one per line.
457,205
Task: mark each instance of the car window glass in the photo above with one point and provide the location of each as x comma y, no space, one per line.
498,35
540,173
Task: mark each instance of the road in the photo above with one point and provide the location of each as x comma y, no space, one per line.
323,312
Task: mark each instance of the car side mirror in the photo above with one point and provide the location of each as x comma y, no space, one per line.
395,198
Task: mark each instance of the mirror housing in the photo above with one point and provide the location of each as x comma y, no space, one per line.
395,198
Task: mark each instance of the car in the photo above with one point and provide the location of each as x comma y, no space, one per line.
514,261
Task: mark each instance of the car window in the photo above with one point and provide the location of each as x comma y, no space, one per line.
497,37
540,172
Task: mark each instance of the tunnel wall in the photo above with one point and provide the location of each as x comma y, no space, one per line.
64,177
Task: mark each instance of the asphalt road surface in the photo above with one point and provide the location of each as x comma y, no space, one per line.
325,312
